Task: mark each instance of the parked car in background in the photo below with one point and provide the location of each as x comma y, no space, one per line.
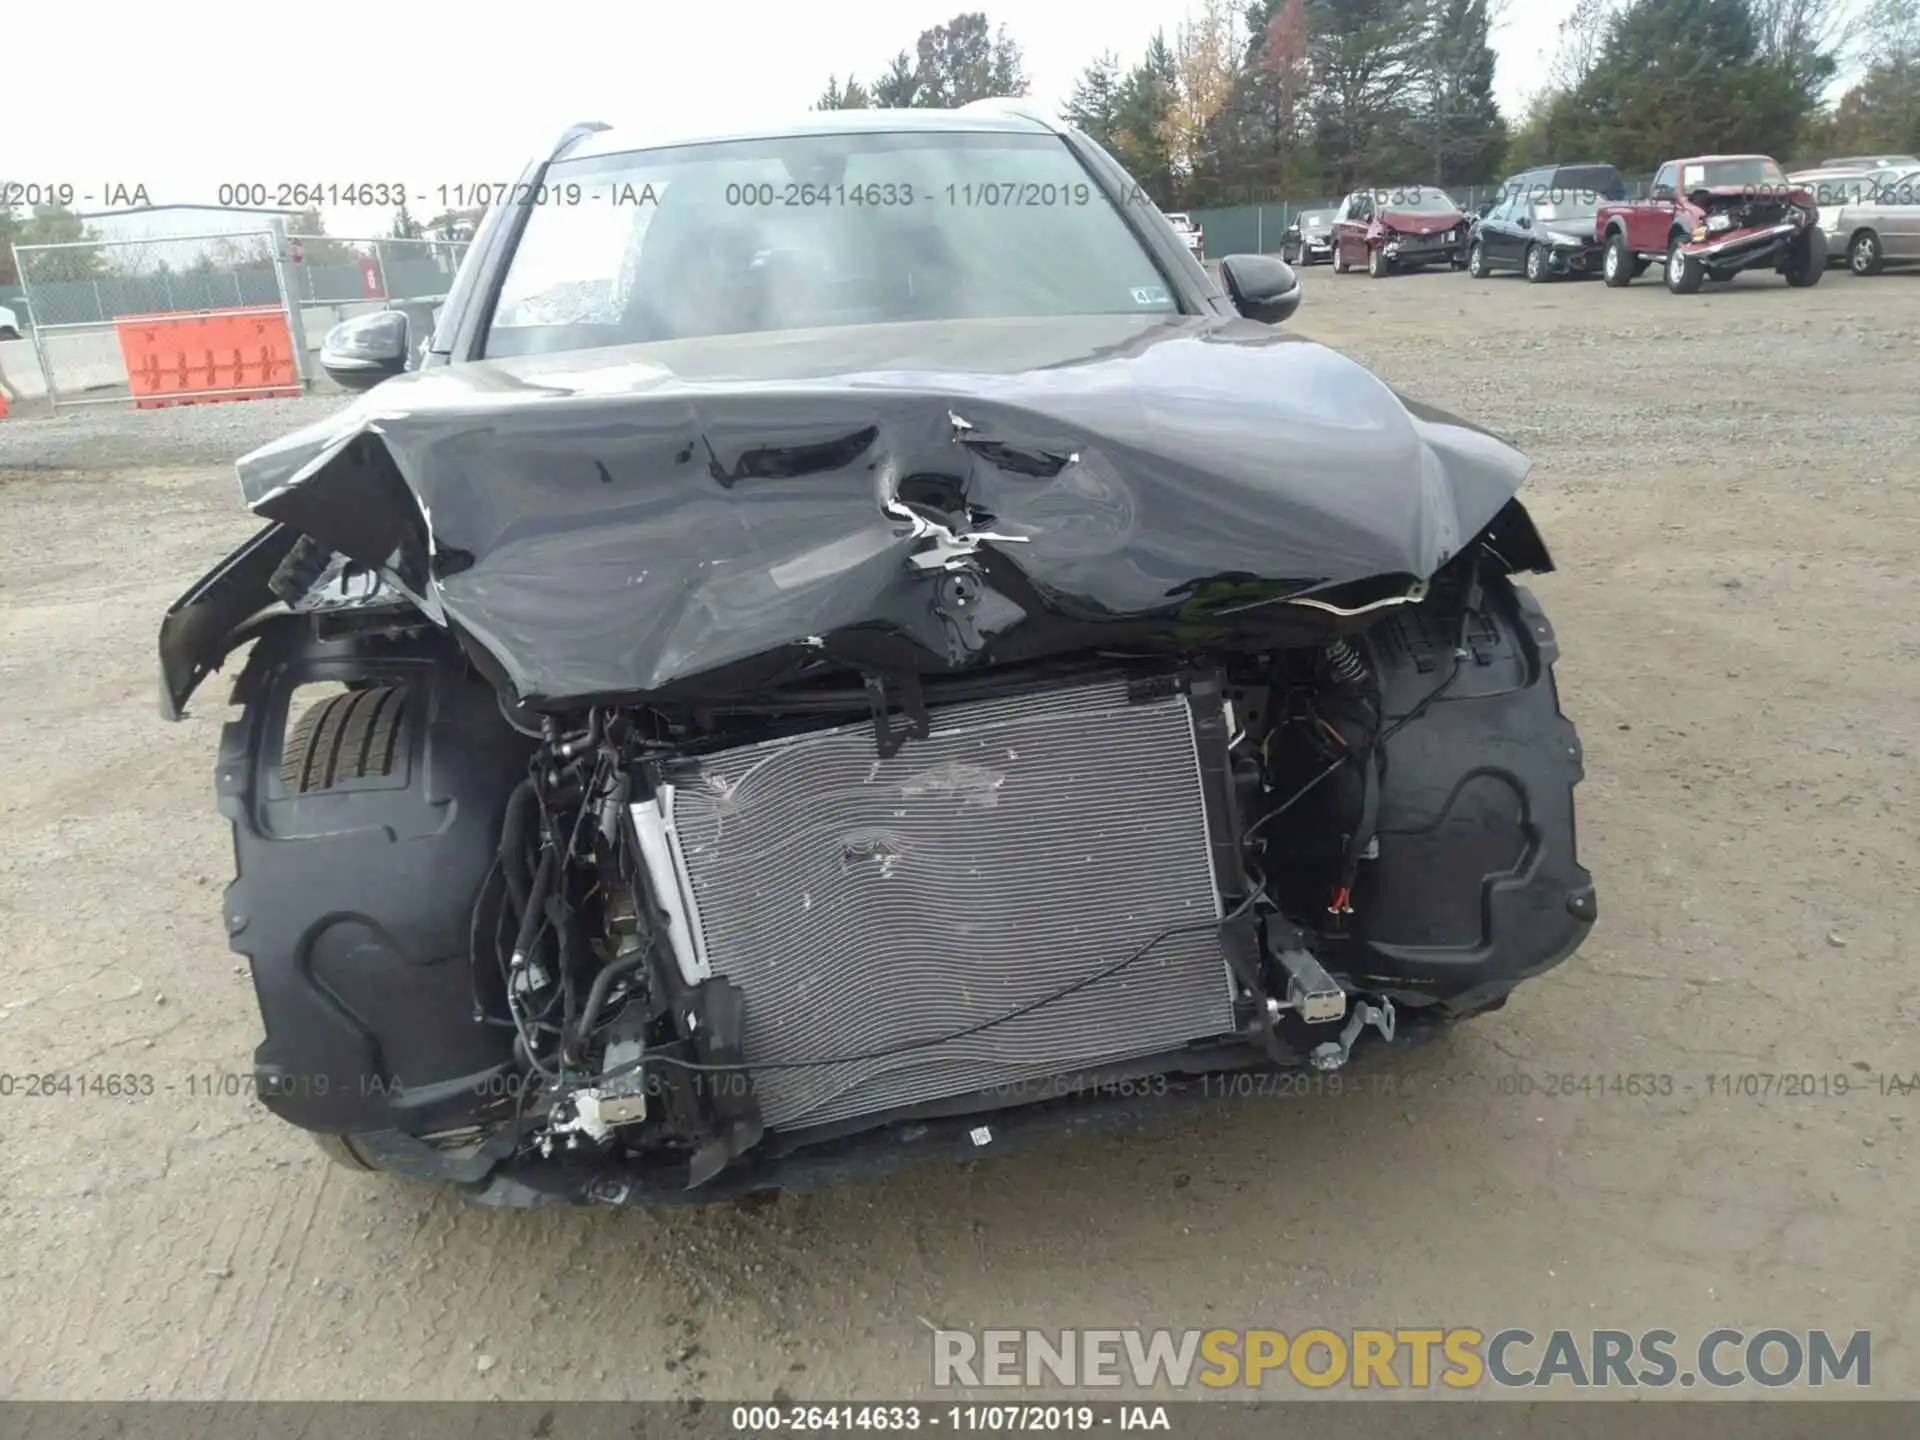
1834,186
1309,239
1541,237
1584,178
1881,228
1710,217
10,327
1874,162
1194,235
1401,227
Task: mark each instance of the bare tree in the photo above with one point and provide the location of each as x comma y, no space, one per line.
1806,35
1888,33
1582,34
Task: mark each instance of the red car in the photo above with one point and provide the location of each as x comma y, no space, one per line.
1401,228
1709,218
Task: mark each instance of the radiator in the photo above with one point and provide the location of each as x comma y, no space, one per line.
863,905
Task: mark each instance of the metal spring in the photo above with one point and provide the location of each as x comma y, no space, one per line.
1345,662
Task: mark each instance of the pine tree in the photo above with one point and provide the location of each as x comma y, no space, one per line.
1094,106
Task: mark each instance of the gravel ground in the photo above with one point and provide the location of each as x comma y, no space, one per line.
1729,482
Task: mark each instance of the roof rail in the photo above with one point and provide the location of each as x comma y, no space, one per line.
574,135
1015,105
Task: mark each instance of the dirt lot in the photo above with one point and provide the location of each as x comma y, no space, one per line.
1731,483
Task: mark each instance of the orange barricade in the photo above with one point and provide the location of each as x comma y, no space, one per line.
197,357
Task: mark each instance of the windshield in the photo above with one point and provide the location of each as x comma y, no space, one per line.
817,231
1316,217
1898,187
1415,199
1714,174
1567,207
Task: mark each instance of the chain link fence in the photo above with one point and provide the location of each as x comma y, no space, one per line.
337,271
77,290
77,293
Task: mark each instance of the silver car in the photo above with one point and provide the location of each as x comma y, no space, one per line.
1881,227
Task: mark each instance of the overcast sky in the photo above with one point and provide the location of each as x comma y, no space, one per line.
439,94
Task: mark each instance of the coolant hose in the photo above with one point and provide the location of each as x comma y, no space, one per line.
536,902
515,832
597,994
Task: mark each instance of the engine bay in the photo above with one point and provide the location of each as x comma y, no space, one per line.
812,913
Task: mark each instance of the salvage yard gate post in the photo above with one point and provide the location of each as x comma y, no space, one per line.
32,318
285,257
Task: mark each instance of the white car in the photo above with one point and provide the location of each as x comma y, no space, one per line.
1195,237
10,327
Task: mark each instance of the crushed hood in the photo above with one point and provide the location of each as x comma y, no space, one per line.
702,515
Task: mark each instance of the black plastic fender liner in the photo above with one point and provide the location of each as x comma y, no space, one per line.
1478,884
206,624
354,903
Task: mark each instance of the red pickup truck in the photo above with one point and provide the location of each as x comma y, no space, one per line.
1709,218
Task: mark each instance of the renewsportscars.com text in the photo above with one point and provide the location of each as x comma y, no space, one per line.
1405,1358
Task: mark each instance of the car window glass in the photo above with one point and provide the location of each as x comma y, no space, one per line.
818,231
1665,179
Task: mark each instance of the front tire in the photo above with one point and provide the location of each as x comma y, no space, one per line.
344,1151
1807,260
1864,256
1477,261
1684,275
353,736
1537,271
1340,266
1619,267
1378,265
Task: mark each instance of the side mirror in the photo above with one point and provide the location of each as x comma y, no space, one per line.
1526,222
359,353
1261,287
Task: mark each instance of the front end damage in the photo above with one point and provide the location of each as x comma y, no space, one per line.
1740,230
770,786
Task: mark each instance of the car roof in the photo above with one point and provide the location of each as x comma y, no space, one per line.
982,117
1698,159
1565,165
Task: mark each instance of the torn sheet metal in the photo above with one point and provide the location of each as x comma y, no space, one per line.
707,516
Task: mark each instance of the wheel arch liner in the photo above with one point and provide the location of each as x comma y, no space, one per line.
369,1018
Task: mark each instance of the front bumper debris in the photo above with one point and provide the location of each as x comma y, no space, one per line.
1742,244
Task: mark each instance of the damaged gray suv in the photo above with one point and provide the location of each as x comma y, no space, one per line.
845,645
